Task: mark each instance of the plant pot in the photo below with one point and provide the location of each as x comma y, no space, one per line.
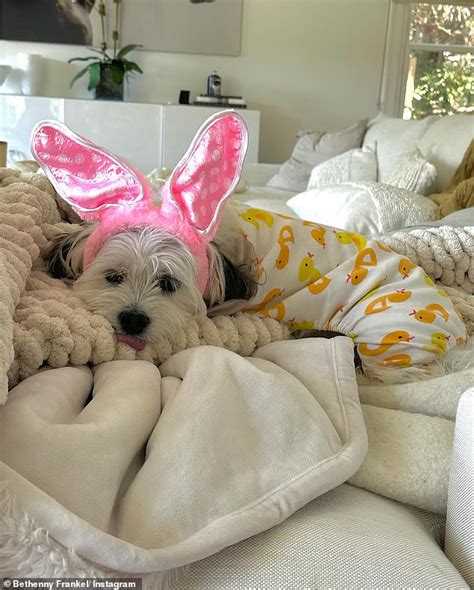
107,88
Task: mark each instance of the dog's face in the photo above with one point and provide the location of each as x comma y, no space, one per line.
144,281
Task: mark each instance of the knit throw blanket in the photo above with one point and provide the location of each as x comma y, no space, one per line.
42,321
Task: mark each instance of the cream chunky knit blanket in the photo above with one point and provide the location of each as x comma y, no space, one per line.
446,253
42,321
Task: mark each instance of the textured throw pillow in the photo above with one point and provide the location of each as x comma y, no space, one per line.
354,165
394,137
369,208
311,149
413,172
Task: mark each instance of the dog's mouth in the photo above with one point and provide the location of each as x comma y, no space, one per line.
134,342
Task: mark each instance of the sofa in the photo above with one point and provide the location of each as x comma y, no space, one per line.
351,538
442,141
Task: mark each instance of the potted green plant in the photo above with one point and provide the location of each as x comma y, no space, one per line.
108,72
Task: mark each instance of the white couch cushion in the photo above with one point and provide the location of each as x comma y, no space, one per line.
460,519
264,197
355,165
368,208
414,173
391,138
444,145
274,205
259,174
311,149
348,538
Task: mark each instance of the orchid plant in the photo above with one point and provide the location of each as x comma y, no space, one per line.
108,70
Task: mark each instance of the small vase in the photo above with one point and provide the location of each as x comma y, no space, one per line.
107,88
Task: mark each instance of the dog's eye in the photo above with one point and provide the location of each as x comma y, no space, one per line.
168,284
114,277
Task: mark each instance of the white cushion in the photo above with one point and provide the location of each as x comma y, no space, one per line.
348,538
355,165
274,205
368,208
414,173
444,145
259,174
311,149
391,138
460,519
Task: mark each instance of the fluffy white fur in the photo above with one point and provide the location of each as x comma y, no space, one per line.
143,259
27,550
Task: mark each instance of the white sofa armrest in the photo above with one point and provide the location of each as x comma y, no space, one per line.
259,174
459,545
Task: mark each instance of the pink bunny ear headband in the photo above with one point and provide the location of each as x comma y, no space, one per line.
103,188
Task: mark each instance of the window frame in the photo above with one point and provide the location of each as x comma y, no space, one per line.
397,53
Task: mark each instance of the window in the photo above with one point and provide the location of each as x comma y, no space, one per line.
440,70
429,64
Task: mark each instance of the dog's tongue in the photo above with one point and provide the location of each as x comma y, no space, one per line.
136,343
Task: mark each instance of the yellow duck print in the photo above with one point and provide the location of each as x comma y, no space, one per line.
308,273
257,216
382,303
392,338
405,266
430,313
429,281
383,247
440,343
259,268
397,360
317,233
345,237
294,325
286,235
372,292
366,257
266,307
281,216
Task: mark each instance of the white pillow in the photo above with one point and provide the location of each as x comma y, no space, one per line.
274,205
354,165
369,208
394,137
312,148
414,173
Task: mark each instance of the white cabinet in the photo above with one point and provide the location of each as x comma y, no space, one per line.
130,130
180,122
146,135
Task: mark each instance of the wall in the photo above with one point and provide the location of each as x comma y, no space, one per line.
304,64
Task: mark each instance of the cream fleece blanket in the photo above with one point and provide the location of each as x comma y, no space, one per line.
165,467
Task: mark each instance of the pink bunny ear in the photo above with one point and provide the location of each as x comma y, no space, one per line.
88,177
209,171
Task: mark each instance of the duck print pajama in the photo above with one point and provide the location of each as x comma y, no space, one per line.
315,276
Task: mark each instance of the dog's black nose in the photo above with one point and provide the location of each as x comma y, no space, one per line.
133,322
